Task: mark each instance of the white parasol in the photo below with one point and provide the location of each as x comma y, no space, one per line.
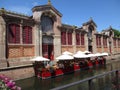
67,52
80,55
65,57
104,54
39,58
97,54
80,52
87,52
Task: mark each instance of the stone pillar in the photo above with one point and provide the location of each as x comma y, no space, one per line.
21,27
2,38
86,41
3,62
94,42
57,46
74,41
38,40
102,44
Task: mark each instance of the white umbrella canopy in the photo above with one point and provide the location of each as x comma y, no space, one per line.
65,57
40,58
67,52
80,55
104,54
91,55
80,52
88,52
97,54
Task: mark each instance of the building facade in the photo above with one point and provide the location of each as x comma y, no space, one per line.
43,34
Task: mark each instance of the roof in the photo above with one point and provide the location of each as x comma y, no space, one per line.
89,22
14,14
43,7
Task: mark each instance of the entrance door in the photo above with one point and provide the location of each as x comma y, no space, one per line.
47,47
90,48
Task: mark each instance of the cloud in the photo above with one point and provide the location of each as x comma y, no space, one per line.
20,9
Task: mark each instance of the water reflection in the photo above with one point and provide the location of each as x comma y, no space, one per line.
103,83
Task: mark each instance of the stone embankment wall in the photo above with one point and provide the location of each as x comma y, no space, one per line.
18,72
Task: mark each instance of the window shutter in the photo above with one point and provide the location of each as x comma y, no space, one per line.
63,38
82,39
77,39
27,35
69,38
14,33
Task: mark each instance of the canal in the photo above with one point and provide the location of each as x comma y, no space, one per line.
104,83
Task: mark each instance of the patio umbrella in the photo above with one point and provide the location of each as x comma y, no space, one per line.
80,52
67,52
104,54
39,58
87,52
80,55
97,54
65,57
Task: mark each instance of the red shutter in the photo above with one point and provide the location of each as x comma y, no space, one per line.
69,38
99,40
97,43
30,35
17,38
63,38
77,39
82,39
27,35
14,33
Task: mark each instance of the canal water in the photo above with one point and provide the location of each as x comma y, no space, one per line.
104,83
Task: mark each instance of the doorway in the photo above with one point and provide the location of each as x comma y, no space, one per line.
90,49
48,47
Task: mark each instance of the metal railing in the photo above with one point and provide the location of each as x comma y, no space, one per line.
89,80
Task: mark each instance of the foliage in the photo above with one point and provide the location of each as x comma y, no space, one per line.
116,33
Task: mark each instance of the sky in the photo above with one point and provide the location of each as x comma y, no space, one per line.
105,13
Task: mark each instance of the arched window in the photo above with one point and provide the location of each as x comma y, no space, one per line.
90,31
46,24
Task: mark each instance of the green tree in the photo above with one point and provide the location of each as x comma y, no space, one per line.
116,33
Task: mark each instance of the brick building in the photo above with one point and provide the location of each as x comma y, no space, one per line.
43,34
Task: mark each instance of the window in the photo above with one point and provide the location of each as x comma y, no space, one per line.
46,24
14,33
98,41
82,39
69,35
118,42
63,38
114,40
27,35
77,38
105,41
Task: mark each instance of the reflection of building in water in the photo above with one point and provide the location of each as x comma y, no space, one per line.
44,34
